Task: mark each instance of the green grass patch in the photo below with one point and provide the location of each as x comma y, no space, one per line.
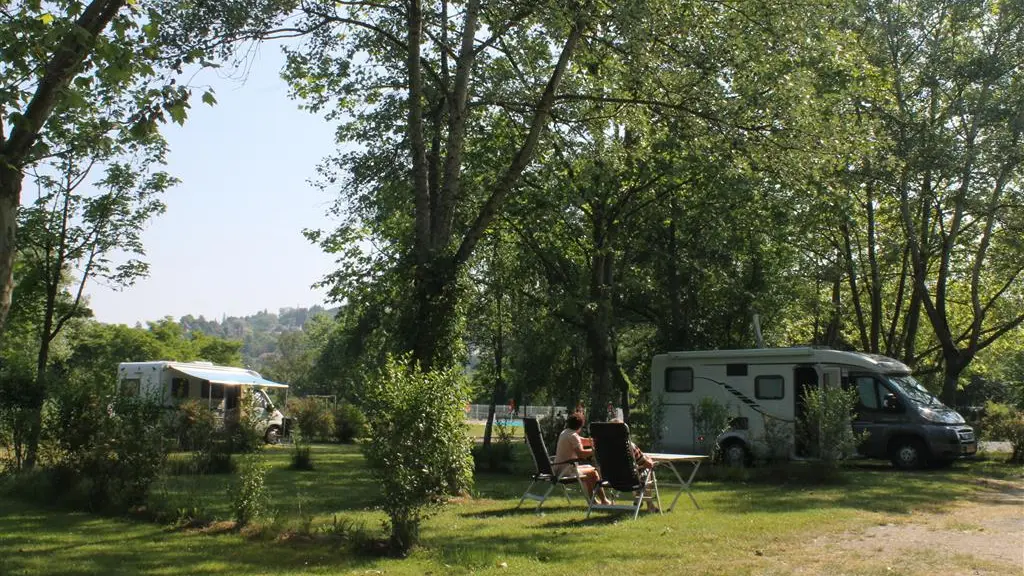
743,526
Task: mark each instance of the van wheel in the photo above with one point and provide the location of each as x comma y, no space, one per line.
908,454
735,454
273,435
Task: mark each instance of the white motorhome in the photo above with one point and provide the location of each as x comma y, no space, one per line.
905,422
219,387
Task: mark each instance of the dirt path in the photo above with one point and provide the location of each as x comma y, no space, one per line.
980,536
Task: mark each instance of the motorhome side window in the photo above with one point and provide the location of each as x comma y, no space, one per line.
179,387
679,380
214,391
867,392
769,387
130,386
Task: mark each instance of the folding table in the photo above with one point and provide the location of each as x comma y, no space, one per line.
670,461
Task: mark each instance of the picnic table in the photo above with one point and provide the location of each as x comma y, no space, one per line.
670,460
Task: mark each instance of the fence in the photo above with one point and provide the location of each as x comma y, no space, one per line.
479,411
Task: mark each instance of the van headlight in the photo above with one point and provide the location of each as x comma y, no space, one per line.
944,417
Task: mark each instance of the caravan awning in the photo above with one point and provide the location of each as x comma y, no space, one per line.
225,377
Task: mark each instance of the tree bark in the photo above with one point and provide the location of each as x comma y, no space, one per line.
10,198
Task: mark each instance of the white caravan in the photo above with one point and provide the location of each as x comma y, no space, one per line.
220,387
905,422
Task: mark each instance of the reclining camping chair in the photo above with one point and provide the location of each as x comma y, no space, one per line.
545,473
619,472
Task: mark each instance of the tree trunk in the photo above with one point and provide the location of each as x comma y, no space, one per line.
10,198
598,320
954,365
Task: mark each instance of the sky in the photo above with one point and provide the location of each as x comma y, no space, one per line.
231,240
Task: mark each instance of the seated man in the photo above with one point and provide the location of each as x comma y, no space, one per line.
643,461
571,446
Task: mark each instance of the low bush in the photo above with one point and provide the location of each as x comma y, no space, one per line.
417,450
313,417
193,425
107,465
349,423
825,426
302,455
1003,422
214,457
710,419
498,456
551,426
248,495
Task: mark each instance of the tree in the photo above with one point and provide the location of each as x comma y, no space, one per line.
951,117
429,102
69,231
72,67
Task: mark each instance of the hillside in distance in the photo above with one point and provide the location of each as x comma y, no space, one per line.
258,332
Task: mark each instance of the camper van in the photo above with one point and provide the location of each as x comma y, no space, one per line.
905,423
220,387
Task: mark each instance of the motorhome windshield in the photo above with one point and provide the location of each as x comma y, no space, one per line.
914,391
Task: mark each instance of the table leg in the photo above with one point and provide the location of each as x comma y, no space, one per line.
683,484
696,465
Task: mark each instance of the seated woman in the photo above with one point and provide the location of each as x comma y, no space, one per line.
571,446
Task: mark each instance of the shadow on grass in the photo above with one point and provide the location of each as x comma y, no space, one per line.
864,485
84,544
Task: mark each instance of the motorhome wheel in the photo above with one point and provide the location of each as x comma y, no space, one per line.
908,454
735,454
273,435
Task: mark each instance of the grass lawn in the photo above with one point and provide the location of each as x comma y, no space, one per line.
742,528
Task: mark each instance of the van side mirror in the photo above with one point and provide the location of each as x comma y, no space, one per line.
891,403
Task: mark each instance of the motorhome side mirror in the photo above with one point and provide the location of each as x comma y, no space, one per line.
891,402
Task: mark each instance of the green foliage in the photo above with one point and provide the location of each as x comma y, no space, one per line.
551,426
248,494
18,396
417,450
301,452
1005,423
313,417
710,419
826,426
349,423
213,457
777,439
109,456
499,455
193,425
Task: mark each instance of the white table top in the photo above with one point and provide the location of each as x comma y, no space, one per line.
660,457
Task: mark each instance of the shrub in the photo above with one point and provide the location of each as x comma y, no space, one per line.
245,434
1006,423
302,456
115,459
499,455
349,423
248,495
825,425
193,425
313,417
550,427
777,439
214,457
18,395
417,450
710,419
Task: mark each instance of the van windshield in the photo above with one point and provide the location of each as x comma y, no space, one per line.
913,390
